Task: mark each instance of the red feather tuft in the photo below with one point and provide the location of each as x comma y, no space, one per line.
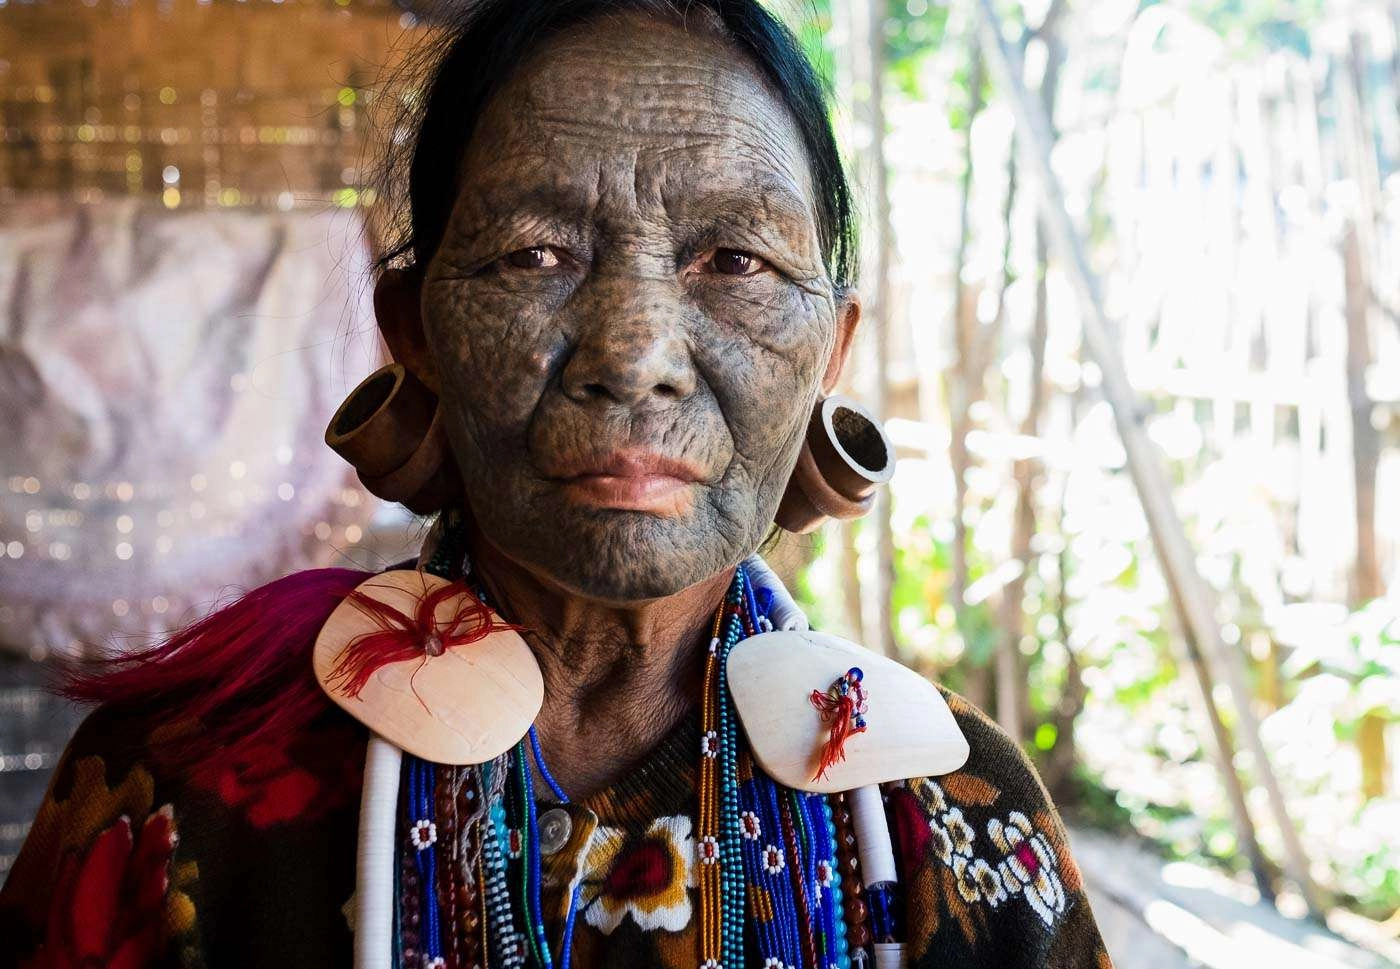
402,637
236,679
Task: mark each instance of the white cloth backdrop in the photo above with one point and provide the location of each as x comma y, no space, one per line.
165,379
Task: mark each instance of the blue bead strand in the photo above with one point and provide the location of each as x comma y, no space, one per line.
807,845
544,771
530,849
421,780
823,828
731,853
840,932
881,900
767,930
567,953
532,877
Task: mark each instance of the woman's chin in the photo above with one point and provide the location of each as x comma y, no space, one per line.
623,556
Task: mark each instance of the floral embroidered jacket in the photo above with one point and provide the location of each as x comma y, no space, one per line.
252,863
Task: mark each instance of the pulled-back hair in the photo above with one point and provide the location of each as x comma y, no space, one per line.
483,41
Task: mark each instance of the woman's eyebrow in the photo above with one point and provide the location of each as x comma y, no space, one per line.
501,201
773,213
772,200
770,208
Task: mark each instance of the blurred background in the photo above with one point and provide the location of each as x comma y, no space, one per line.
1132,283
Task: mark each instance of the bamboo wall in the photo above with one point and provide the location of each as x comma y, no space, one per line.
200,102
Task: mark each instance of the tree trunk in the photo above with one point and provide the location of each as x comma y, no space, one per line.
1190,595
867,19
1366,580
1010,665
884,301
1013,698
959,387
1057,770
1358,269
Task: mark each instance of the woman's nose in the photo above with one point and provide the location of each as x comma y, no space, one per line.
630,355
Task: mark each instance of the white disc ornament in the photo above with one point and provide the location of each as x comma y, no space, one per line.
448,694
908,729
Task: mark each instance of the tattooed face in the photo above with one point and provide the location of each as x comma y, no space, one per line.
628,315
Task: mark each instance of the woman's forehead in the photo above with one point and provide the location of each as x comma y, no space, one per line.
674,111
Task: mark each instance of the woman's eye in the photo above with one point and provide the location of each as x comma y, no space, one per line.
535,257
733,262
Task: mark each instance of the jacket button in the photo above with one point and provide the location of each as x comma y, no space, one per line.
555,827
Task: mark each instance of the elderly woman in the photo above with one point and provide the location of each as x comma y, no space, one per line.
588,726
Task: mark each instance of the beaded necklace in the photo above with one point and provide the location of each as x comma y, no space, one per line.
762,848
766,852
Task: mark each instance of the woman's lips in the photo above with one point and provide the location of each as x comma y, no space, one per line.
631,481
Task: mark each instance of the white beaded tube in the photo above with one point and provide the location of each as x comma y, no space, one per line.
784,614
876,857
374,869
889,955
872,835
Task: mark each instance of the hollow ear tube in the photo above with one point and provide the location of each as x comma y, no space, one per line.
390,429
845,457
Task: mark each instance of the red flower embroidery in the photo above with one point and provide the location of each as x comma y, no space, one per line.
270,785
109,906
644,870
910,824
647,877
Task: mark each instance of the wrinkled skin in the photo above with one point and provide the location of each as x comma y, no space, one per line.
576,304
632,262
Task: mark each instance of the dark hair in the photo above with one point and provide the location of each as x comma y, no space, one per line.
484,42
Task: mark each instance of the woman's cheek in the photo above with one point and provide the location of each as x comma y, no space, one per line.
773,314
775,340
763,399
499,340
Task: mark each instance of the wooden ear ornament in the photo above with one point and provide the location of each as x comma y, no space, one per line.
823,714
844,458
390,429
424,664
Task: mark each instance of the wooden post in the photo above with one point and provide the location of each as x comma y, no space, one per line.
1010,678
958,381
845,36
1190,594
1359,264
1013,696
884,307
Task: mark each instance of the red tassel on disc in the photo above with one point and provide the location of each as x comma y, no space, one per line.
843,705
468,705
403,637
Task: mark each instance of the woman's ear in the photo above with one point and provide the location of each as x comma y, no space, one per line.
398,310
847,319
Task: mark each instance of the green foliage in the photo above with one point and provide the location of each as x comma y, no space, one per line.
812,25
1253,25
1096,608
914,30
